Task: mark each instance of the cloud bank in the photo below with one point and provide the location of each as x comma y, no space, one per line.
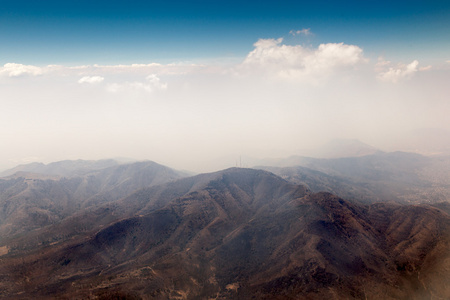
398,73
278,100
152,83
274,59
270,58
91,79
16,70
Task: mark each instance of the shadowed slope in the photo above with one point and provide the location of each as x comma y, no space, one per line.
31,201
243,233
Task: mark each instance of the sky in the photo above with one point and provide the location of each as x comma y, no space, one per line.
191,83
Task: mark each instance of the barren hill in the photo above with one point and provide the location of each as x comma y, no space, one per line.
32,200
241,234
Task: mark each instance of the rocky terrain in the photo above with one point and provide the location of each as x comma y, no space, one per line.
30,201
233,234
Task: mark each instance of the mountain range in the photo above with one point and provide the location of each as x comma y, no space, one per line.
33,200
396,176
145,231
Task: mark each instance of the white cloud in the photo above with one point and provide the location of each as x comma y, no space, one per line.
167,69
16,70
382,64
427,68
272,58
152,83
304,31
96,73
398,73
91,79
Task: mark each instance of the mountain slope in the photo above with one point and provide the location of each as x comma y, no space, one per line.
31,201
242,234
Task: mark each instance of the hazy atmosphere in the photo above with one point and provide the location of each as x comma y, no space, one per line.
187,83
224,149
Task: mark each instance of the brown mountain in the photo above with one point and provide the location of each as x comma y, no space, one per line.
31,201
241,234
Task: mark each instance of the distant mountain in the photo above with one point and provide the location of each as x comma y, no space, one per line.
237,234
344,148
396,176
30,200
426,141
338,148
66,168
317,181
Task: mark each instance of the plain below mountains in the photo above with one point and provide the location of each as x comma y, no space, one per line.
233,234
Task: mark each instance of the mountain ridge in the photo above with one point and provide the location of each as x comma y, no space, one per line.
243,233
63,168
30,201
397,176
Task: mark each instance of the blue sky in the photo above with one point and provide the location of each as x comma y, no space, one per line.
44,32
196,84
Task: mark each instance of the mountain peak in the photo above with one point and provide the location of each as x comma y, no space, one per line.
338,148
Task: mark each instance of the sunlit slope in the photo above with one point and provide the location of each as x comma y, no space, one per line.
242,233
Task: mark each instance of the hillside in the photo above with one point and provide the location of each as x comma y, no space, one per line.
240,234
31,201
